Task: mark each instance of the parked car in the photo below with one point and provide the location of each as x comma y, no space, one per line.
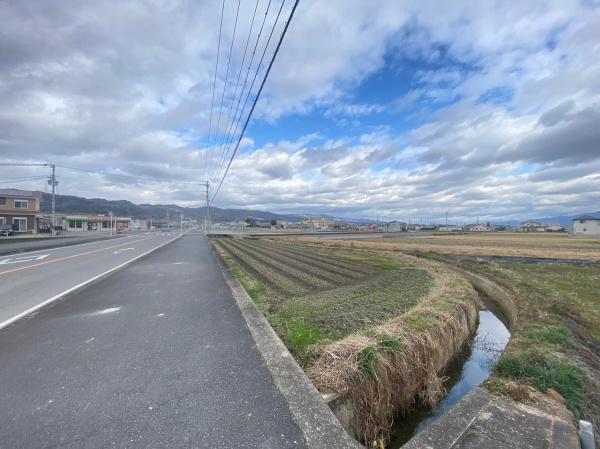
6,230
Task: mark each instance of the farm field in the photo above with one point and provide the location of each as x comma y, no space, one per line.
542,245
555,344
359,322
313,296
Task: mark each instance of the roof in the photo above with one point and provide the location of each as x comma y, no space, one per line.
91,217
587,217
19,192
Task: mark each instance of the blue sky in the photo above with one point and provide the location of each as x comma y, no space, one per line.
482,109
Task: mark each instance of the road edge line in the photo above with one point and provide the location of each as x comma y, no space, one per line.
44,303
7,253
320,428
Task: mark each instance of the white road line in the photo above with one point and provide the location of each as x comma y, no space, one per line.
60,247
21,259
78,286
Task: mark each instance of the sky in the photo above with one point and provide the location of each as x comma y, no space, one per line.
389,109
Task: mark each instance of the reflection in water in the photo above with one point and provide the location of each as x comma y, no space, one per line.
468,370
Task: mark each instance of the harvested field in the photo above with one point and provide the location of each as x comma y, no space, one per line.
543,245
376,329
555,344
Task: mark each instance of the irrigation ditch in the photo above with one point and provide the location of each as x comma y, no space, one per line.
389,369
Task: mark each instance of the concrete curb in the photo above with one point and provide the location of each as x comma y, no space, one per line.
80,286
60,242
319,426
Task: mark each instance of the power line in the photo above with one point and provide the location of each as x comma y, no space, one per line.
122,175
228,135
252,84
237,82
215,150
262,85
22,179
212,103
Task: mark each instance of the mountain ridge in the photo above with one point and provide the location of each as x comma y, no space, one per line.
77,204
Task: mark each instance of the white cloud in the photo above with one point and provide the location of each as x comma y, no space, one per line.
112,87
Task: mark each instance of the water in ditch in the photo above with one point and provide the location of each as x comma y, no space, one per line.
468,370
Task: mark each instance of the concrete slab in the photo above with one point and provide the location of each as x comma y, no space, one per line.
483,421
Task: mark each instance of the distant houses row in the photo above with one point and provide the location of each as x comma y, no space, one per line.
20,211
584,225
20,214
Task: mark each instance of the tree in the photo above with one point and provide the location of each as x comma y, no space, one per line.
273,222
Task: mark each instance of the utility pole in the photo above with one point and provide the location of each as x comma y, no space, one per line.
52,181
181,223
53,213
207,185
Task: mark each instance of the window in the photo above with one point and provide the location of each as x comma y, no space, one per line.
2,201
20,224
75,224
2,221
21,204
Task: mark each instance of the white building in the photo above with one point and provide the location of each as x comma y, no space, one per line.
586,225
480,227
531,226
449,228
95,223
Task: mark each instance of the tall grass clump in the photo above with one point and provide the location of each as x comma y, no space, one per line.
544,371
381,373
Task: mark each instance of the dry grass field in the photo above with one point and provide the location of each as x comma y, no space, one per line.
555,344
542,245
361,323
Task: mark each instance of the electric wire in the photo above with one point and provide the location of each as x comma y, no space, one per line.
215,150
122,175
212,104
22,179
228,137
258,95
237,83
252,85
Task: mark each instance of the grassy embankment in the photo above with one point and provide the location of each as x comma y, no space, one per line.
555,345
376,328
556,340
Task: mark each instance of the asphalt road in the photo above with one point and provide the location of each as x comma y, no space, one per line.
155,356
9,245
29,279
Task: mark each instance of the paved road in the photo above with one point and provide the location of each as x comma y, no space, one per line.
155,356
13,246
29,279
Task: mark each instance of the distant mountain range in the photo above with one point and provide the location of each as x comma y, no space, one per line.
74,204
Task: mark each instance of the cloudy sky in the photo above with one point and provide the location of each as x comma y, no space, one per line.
391,108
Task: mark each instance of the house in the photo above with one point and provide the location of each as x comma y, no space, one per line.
318,224
479,227
19,209
588,225
449,228
531,226
93,223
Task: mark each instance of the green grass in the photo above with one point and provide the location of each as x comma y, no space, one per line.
325,314
551,334
370,357
557,330
544,371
